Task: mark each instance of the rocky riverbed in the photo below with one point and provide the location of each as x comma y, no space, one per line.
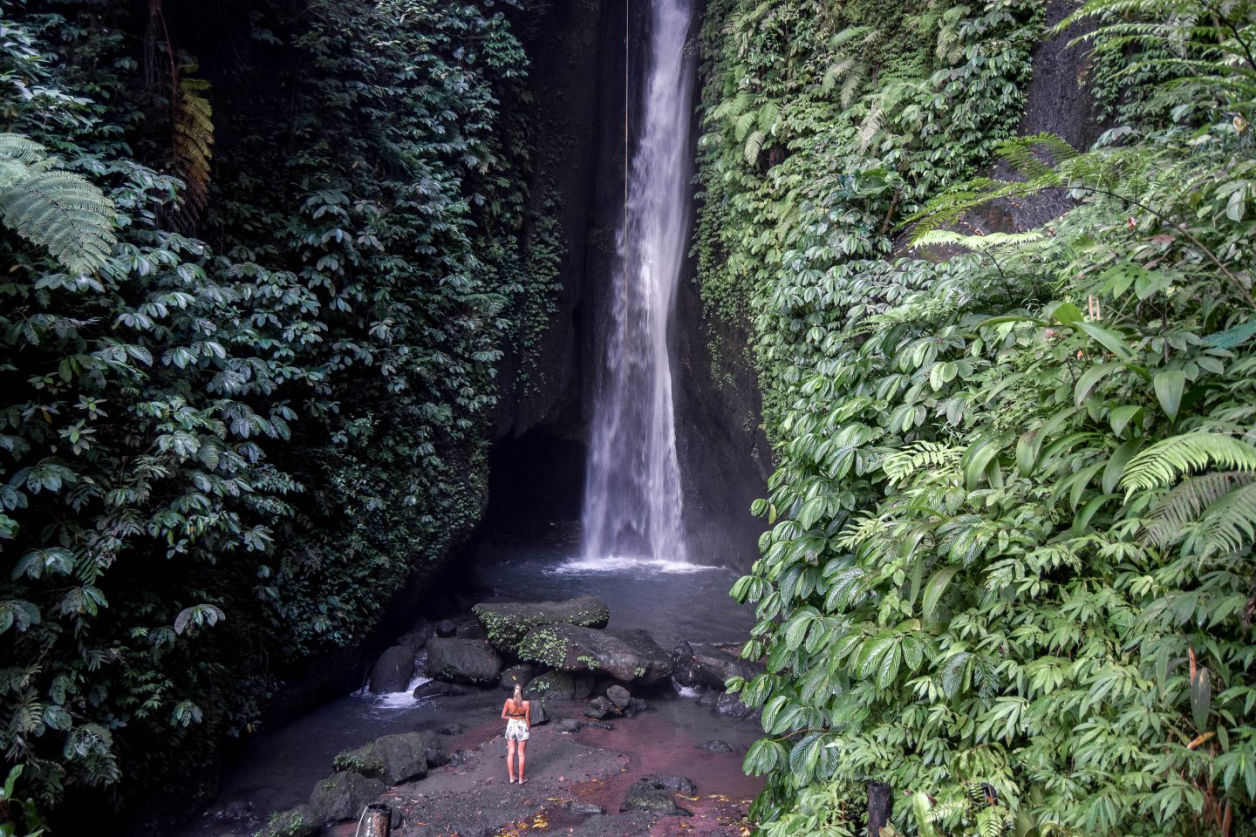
616,747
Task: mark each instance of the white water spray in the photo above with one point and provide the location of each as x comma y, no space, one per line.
632,505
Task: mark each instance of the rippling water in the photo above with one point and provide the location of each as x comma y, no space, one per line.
673,601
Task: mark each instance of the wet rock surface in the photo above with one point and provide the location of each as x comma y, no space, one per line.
463,661
507,623
630,656
656,795
392,758
393,670
709,666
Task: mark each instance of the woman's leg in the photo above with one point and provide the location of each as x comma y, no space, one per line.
523,747
510,759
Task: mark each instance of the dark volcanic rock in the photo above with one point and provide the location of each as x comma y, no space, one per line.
561,685
538,714
654,794
393,670
519,675
716,746
708,666
439,688
393,758
600,708
463,661
446,628
630,657
417,636
452,729
506,623
568,725
732,707
619,696
342,796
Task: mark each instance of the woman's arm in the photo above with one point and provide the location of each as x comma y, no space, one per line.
527,713
504,705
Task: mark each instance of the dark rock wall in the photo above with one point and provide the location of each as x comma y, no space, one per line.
547,399
1058,102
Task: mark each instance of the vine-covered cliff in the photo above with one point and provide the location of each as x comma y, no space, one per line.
1006,583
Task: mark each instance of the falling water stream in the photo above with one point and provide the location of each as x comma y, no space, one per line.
633,505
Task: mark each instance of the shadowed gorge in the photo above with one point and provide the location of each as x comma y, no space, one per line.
834,416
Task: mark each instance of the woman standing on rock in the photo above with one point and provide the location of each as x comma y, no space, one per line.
518,715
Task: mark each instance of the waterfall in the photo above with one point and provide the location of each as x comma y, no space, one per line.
632,504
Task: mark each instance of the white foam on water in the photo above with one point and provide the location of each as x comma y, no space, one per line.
686,691
400,700
625,564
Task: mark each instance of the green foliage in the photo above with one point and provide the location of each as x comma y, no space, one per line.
1008,562
216,461
53,208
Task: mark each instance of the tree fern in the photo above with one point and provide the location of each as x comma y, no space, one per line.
55,209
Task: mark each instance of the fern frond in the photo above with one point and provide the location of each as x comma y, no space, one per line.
917,457
744,123
754,144
193,146
975,243
21,149
1167,460
870,127
1229,524
1188,501
64,213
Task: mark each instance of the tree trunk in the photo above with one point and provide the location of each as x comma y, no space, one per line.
880,802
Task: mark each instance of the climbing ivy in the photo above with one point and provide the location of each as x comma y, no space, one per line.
1007,569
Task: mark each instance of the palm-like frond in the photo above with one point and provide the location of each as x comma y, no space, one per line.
1167,460
1189,501
64,213
193,143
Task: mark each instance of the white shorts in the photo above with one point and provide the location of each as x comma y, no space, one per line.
516,730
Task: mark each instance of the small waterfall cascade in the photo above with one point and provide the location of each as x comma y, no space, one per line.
632,504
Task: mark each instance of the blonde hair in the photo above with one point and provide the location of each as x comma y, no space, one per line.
518,692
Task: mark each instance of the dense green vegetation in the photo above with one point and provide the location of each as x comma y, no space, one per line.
1008,570
250,316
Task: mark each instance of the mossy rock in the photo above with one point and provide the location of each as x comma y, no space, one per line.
630,657
560,685
342,796
301,821
393,758
463,661
507,623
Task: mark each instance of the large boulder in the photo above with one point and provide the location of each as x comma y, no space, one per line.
561,685
630,657
709,666
507,623
462,660
393,670
654,794
519,675
342,796
393,758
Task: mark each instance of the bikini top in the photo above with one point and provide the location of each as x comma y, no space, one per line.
522,713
